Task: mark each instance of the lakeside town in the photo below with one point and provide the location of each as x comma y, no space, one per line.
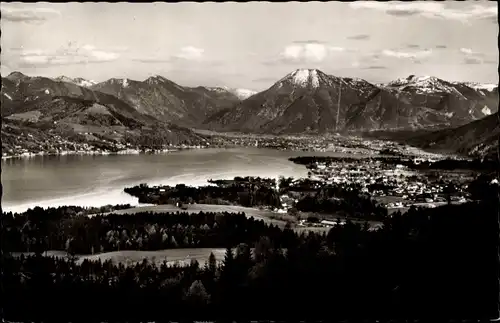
396,186
389,185
331,143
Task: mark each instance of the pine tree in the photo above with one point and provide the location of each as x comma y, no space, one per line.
212,263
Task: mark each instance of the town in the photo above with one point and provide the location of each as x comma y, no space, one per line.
396,186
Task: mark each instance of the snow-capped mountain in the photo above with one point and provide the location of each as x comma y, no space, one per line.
308,100
78,81
305,100
480,86
423,85
459,101
168,101
242,94
59,105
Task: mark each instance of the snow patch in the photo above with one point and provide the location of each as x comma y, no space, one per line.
125,83
314,79
304,77
47,91
77,81
449,114
243,94
8,96
424,84
155,79
84,82
300,77
486,111
479,86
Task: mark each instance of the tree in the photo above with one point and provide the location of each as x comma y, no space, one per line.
262,249
212,263
197,293
228,258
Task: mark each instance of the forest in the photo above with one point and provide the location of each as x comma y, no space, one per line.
427,263
247,192
311,196
63,229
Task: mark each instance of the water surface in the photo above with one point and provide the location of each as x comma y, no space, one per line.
91,180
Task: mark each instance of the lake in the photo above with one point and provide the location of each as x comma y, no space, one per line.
93,180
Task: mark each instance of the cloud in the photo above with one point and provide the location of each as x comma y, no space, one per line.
308,52
28,14
472,57
407,55
472,60
69,54
188,53
431,9
490,62
157,59
466,51
308,42
375,67
359,37
470,52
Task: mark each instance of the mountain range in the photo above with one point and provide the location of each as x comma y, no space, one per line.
309,100
304,101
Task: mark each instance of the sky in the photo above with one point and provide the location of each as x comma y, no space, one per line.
251,45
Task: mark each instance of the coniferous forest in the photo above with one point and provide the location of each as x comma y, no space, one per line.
427,263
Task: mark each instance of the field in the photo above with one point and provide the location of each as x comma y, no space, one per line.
129,257
265,215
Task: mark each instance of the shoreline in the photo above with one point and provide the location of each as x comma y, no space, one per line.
101,153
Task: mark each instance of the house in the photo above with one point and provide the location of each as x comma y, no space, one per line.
328,223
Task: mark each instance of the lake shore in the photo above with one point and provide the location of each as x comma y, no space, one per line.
97,152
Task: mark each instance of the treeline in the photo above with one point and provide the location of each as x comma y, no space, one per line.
311,196
246,181
328,160
57,229
241,193
347,199
437,263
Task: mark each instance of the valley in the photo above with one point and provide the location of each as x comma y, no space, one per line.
63,115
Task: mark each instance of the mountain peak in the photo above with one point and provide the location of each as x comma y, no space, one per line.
305,77
63,78
415,79
16,76
423,84
155,79
77,81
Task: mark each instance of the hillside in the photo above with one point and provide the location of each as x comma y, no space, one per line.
40,114
478,138
305,101
309,101
461,103
168,101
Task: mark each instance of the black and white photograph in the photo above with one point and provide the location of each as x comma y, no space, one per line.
250,161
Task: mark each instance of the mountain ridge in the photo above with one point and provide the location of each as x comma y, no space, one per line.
353,104
303,101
